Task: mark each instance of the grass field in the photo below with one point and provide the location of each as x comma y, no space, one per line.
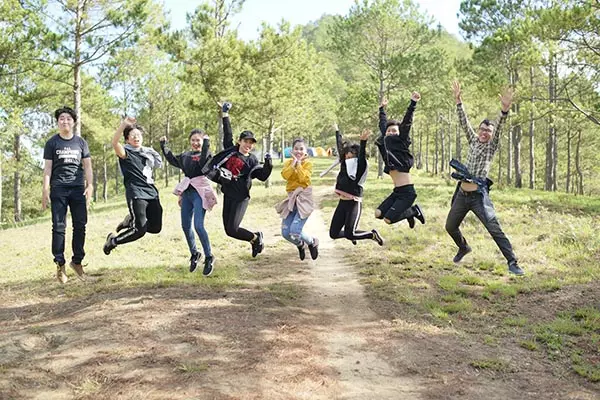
497,323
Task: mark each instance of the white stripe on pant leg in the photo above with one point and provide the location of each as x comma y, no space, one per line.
132,230
365,234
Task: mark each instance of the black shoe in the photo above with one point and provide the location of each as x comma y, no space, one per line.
462,251
209,263
194,261
411,222
302,251
420,216
314,249
377,237
258,245
514,268
109,245
354,242
126,223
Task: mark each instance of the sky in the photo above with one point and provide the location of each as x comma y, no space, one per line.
300,12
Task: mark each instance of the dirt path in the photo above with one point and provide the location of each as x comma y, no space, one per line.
351,326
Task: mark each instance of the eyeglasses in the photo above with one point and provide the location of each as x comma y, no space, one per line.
486,130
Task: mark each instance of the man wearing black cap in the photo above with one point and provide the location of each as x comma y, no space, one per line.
240,168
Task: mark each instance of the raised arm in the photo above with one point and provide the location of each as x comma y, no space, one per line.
362,153
505,101
406,123
116,140
462,116
171,158
383,116
205,153
339,145
227,131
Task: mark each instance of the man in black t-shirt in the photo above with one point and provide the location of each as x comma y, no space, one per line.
137,163
66,161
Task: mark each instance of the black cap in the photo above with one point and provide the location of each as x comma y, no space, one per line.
247,135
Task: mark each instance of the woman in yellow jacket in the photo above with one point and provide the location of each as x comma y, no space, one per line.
298,206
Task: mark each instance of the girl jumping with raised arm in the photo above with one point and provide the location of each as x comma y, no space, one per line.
196,195
349,188
234,168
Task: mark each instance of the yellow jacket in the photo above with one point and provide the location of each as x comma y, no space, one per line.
298,176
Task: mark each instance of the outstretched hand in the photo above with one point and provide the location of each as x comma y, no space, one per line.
127,121
163,139
456,90
506,99
365,134
415,96
384,102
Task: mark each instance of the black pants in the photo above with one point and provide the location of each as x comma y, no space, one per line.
345,219
146,217
482,207
395,205
60,199
233,213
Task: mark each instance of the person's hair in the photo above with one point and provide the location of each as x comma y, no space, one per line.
65,110
128,130
298,140
353,148
196,131
392,122
488,123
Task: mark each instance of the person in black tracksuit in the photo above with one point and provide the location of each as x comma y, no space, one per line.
137,163
243,166
349,187
394,146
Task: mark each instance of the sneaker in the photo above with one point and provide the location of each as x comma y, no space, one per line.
61,273
420,216
258,244
109,245
314,249
78,268
209,263
302,251
462,251
354,242
194,261
126,223
514,268
377,237
411,222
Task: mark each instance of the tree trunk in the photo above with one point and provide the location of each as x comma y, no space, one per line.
531,132
518,131
104,175
18,217
117,173
499,161
427,150
435,166
268,145
95,177
509,146
552,141
167,134
220,129
1,159
381,95
568,184
420,156
578,165
79,15
443,149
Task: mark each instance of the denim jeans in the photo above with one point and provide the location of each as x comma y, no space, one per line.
60,199
291,229
481,205
191,205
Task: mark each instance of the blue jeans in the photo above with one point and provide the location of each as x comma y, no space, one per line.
291,229
191,204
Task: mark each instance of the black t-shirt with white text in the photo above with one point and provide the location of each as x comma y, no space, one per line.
137,176
66,156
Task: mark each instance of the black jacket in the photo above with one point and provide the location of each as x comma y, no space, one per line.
395,149
190,162
243,168
344,182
